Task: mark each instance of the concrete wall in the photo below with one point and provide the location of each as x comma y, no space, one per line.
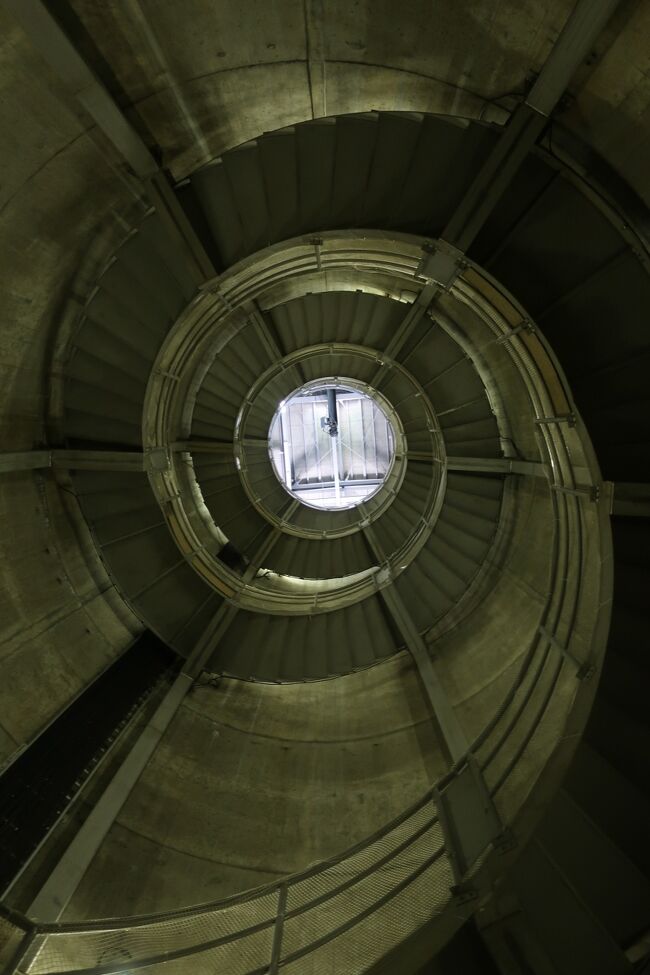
253,781
203,77
61,202
200,77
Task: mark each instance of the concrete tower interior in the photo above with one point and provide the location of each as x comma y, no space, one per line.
325,487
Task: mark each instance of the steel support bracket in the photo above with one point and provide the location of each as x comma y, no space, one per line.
590,491
525,326
585,669
464,893
441,263
469,819
506,842
157,460
569,418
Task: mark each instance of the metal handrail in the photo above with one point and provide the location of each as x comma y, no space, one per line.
560,605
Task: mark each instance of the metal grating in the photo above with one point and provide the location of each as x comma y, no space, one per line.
85,949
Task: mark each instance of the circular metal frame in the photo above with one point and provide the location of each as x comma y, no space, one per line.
384,265
344,385
330,524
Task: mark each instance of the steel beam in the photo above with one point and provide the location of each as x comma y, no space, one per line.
60,886
630,500
415,313
496,465
481,465
225,447
59,52
454,737
80,460
585,23
98,460
266,331
24,460
58,889
163,196
497,173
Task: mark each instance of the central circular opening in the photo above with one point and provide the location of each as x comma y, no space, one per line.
331,445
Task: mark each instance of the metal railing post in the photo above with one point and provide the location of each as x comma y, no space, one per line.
276,950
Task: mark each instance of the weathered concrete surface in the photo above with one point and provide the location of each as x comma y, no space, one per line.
478,659
60,619
202,77
253,781
211,76
199,78
61,624
611,110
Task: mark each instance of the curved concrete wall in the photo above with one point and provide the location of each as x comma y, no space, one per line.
195,83
253,781
61,621
193,75
194,72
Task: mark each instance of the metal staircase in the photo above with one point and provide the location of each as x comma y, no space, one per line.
403,174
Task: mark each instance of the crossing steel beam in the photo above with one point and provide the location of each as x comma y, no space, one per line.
78,460
56,48
630,500
454,737
583,26
66,876
496,465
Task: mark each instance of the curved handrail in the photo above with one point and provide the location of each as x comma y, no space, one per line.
317,907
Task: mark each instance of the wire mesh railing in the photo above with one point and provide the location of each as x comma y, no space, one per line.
347,913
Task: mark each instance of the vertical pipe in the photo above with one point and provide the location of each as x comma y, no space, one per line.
332,411
287,453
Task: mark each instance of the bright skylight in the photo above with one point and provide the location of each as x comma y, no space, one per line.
331,446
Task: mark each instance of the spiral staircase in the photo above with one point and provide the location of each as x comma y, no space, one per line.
511,370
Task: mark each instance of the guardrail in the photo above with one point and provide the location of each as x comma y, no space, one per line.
347,913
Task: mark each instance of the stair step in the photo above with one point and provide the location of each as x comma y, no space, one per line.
91,382
150,277
292,648
428,590
246,180
316,147
483,429
83,426
473,548
448,154
169,255
280,167
488,486
118,348
356,136
320,559
397,140
541,270
216,198
188,634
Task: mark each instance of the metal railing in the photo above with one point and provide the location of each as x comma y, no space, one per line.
345,914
